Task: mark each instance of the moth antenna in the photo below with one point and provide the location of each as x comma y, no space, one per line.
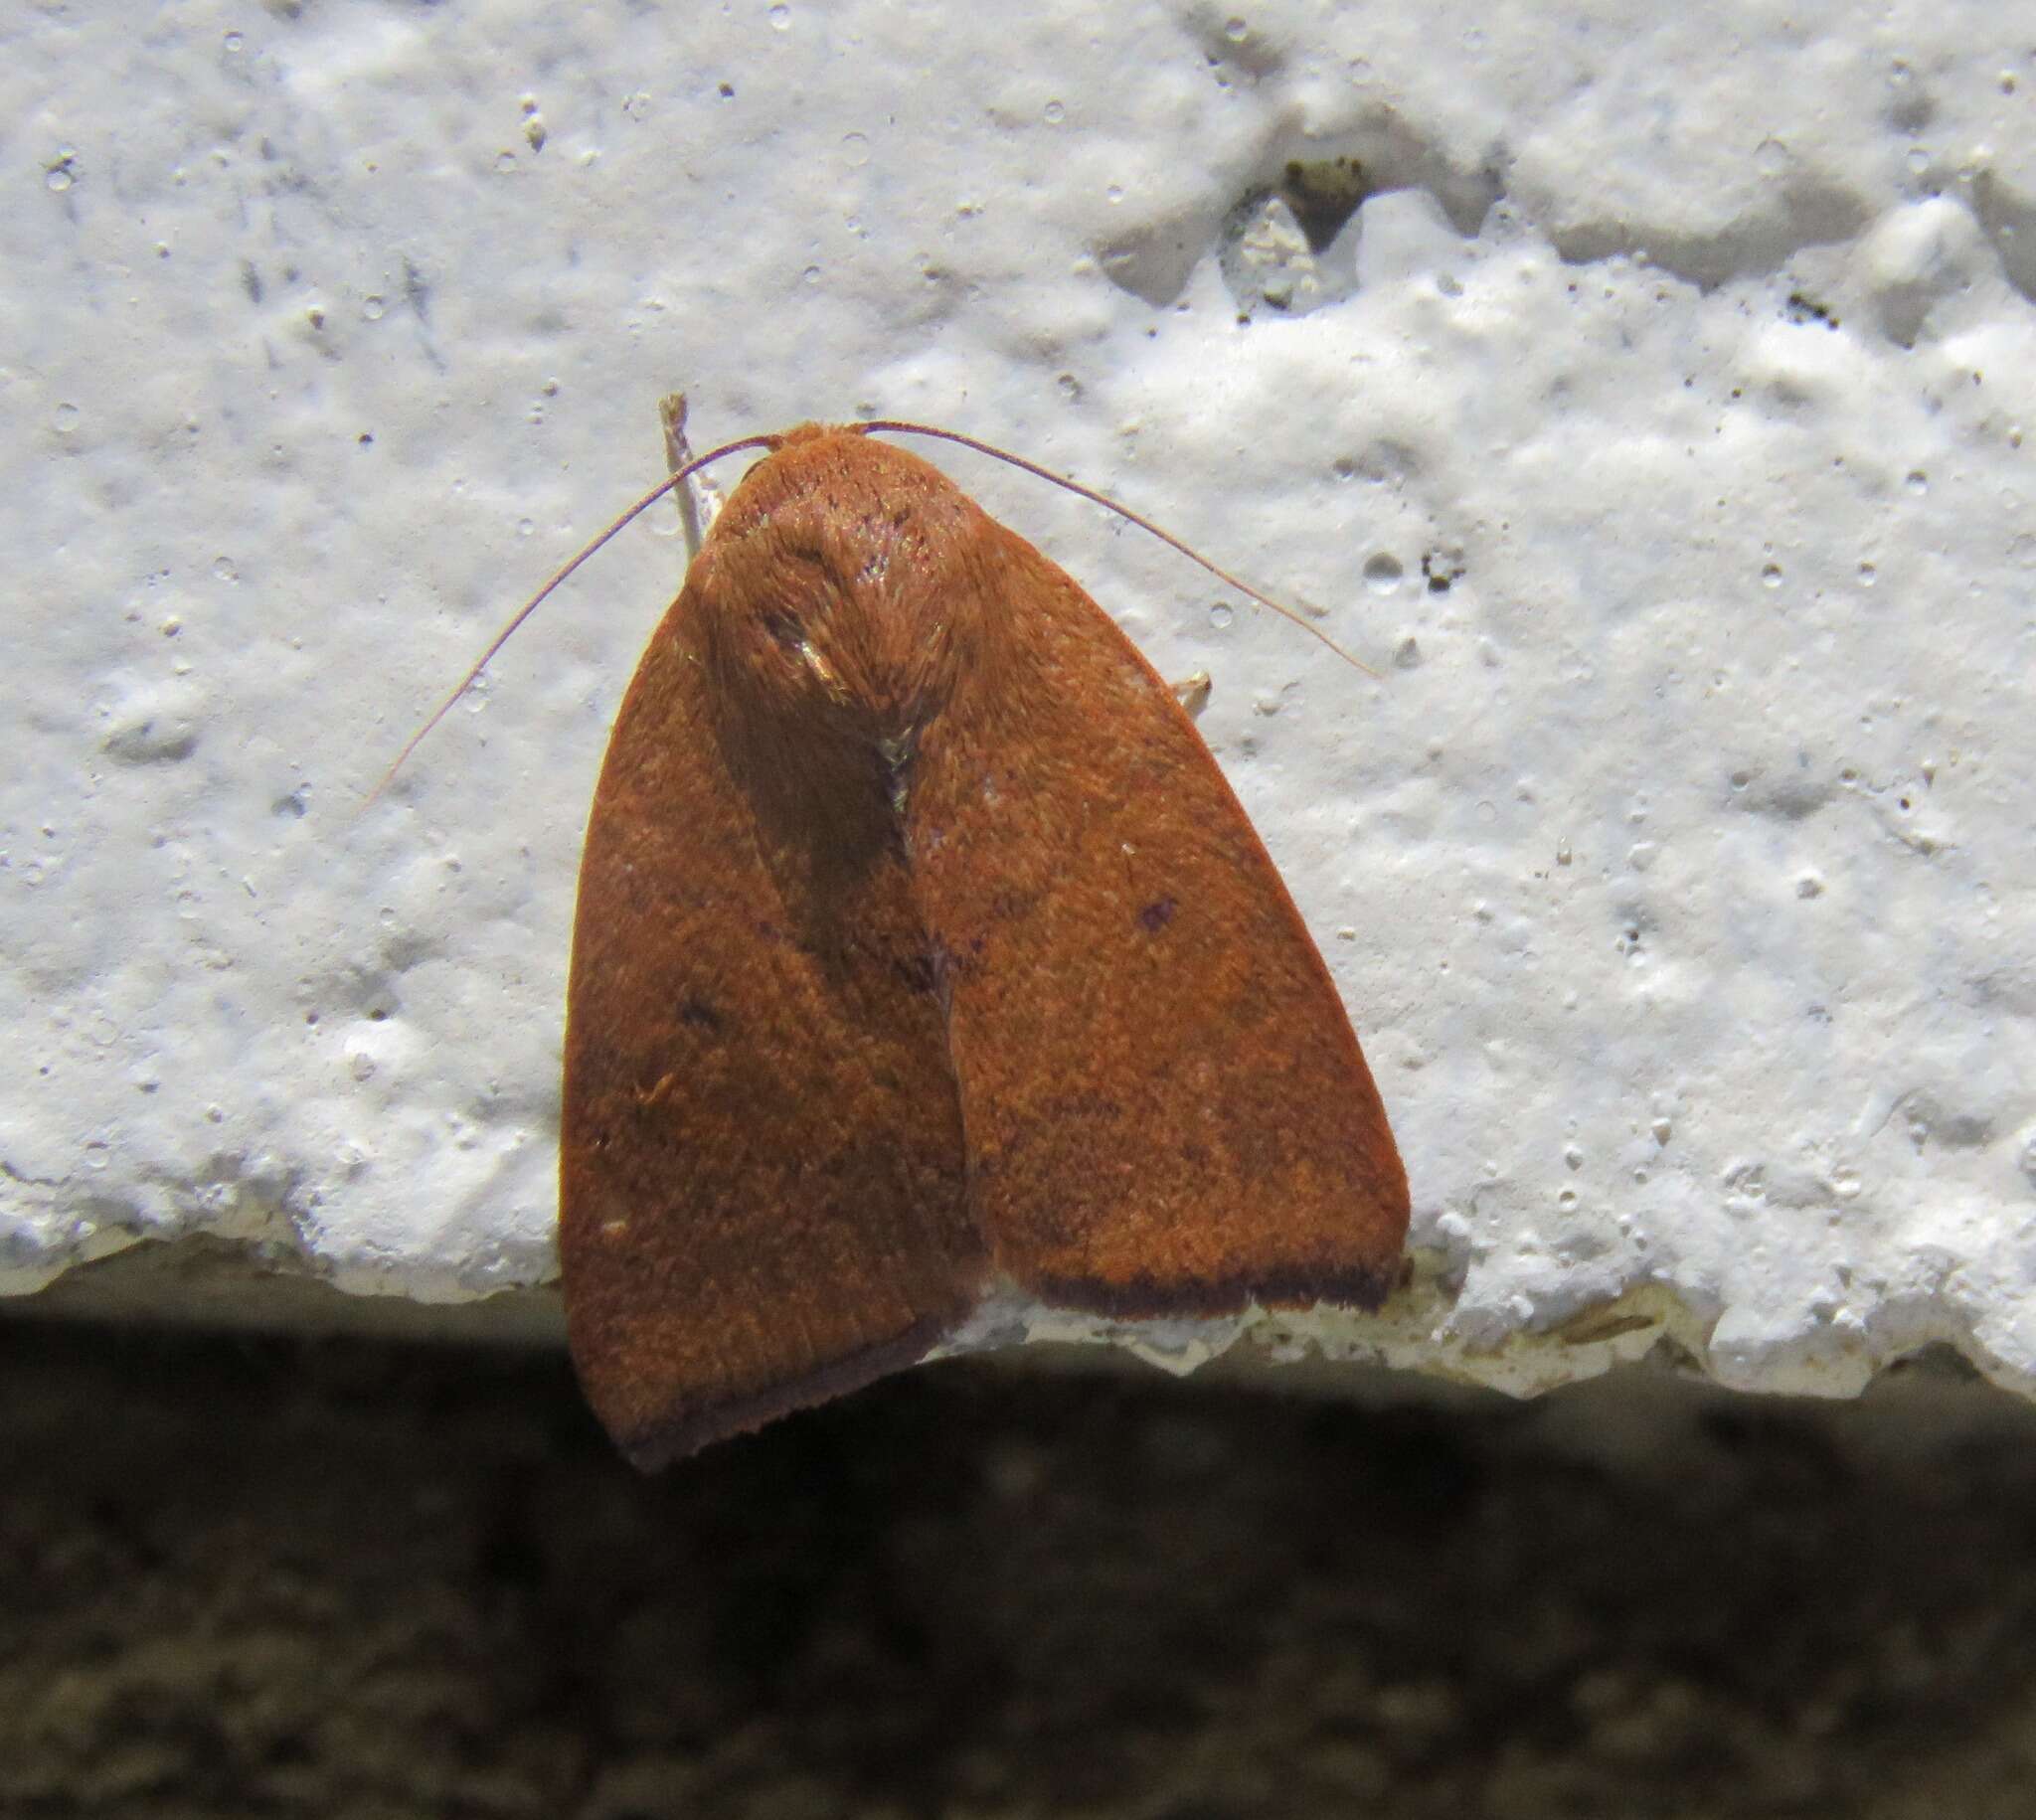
537,599
896,427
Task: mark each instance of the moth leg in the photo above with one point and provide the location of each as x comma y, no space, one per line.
698,498
1192,692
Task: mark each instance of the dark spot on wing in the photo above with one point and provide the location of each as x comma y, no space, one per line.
698,1014
919,973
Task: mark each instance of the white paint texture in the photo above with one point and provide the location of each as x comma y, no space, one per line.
1657,425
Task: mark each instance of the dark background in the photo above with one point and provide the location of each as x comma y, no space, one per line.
252,1576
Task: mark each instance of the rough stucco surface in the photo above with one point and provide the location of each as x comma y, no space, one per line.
1655,424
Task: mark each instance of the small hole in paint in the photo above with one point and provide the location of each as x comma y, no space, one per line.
1382,572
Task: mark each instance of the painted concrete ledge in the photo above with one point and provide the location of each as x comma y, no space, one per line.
1645,395
1409,1352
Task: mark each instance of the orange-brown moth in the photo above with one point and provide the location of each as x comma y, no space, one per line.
922,950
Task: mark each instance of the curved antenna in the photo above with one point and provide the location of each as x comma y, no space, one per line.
537,599
898,426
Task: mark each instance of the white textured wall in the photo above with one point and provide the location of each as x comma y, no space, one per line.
1678,872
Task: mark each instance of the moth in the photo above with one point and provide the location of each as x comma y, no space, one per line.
921,950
